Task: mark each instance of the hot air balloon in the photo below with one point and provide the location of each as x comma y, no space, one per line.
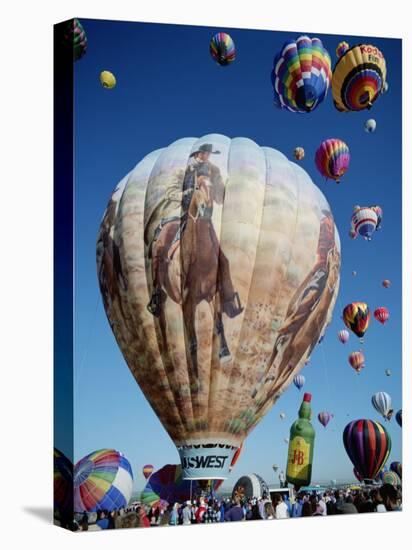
103,480
357,475
62,483
147,470
299,153
250,486
75,37
356,317
399,417
379,214
301,75
357,360
299,381
381,314
343,336
392,478
397,468
388,372
364,221
282,416
192,347
370,125
324,418
354,273
332,158
222,49
358,78
368,446
386,283
235,457
275,467
167,486
107,80
382,402
342,48
286,440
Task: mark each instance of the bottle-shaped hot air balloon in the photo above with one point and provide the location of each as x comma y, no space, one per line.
301,443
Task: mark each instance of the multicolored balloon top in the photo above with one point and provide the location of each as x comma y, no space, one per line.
332,158
75,36
358,78
222,48
368,446
392,478
103,480
301,75
342,48
396,467
343,336
356,317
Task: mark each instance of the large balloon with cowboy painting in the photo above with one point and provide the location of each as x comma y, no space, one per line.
218,262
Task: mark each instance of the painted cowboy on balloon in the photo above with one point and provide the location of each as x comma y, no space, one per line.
202,186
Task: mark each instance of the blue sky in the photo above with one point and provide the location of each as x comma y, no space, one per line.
168,88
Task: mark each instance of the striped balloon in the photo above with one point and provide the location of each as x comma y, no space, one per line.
103,480
301,75
62,482
368,445
343,336
147,470
167,486
299,381
342,48
76,37
382,402
357,361
364,221
358,78
381,314
399,417
332,158
397,468
324,418
222,48
392,478
356,317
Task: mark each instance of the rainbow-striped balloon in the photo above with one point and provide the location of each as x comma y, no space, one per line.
358,78
103,480
301,75
222,48
332,158
76,37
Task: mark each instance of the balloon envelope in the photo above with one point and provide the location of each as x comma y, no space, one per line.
324,418
213,358
358,78
397,468
364,221
299,381
343,336
382,402
167,486
75,37
381,314
301,75
392,478
62,482
332,158
299,153
222,48
107,80
368,445
103,480
399,417
356,317
370,125
147,470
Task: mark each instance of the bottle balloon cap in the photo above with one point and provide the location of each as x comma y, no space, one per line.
307,397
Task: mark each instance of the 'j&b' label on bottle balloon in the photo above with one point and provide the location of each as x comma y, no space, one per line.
298,458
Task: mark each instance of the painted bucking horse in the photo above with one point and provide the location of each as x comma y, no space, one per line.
187,263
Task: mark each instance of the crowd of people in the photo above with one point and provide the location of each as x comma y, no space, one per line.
385,498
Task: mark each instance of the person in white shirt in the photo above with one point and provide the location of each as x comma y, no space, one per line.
281,510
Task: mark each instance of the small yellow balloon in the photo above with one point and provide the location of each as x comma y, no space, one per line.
107,79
